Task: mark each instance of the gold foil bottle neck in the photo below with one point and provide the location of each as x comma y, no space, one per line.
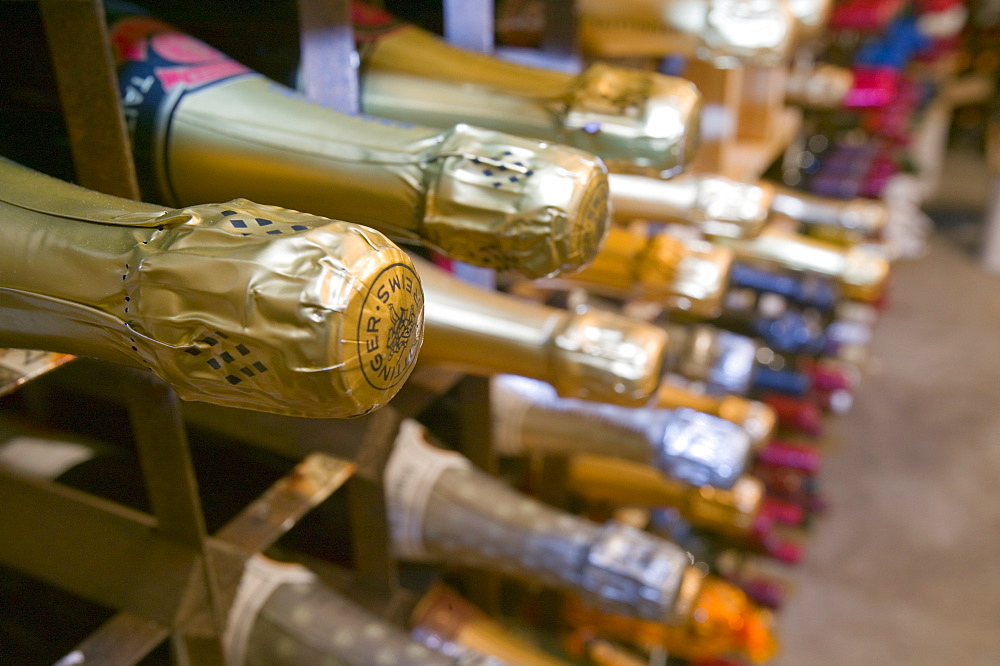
688,275
726,33
600,355
504,202
861,270
851,220
717,206
630,118
634,118
297,313
239,304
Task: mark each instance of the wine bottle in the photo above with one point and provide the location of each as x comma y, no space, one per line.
441,509
688,275
716,205
778,324
734,511
632,119
726,208
754,417
684,444
812,291
725,622
238,303
446,621
760,32
283,614
861,270
592,354
204,126
856,219
726,362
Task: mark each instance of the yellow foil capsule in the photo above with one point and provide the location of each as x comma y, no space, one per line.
630,118
238,304
592,355
688,275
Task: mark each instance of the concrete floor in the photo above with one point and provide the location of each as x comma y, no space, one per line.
905,568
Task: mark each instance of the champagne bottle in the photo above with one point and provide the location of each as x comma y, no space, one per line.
237,303
811,291
724,32
726,208
726,362
754,417
855,219
860,270
630,118
716,205
684,444
283,614
590,354
446,621
725,623
688,275
204,126
441,509
734,511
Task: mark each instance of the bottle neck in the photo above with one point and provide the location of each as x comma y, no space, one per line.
683,444
446,617
465,517
64,262
528,416
652,198
284,614
417,52
591,355
731,511
484,332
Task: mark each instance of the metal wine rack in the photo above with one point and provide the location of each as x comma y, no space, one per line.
163,574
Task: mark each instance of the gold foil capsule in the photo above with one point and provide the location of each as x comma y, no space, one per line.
510,203
629,117
238,304
688,275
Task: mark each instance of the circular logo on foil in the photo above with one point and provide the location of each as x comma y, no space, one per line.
390,326
594,218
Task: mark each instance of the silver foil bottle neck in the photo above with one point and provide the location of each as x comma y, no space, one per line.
628,571
703,449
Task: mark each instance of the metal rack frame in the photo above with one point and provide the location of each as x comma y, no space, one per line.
165,576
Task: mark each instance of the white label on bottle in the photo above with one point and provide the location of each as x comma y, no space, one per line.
44,458
409,477
261,577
